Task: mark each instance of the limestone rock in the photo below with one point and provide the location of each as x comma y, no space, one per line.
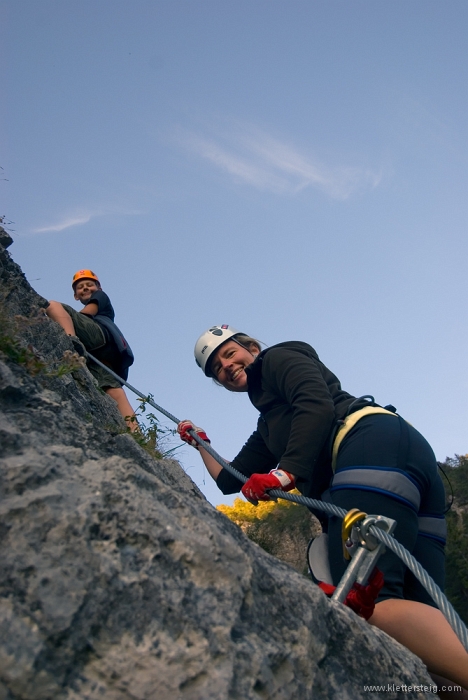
5,239
119,581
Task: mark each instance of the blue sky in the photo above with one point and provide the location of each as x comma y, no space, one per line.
296,169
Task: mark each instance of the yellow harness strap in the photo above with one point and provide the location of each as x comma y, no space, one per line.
349,423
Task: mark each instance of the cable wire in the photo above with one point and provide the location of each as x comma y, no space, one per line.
429,584
415,567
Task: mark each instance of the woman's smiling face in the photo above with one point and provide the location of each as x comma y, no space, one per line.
229,363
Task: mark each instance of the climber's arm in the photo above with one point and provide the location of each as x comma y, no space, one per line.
210,463
90,309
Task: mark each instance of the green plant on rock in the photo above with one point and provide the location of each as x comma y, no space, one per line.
151,435
4,222
69,363
11,346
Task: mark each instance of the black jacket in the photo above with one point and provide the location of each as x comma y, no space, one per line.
300,402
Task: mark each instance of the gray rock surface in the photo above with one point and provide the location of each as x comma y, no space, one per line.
119,581
5,239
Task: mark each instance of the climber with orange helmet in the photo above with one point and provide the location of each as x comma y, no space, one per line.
314,436
94,328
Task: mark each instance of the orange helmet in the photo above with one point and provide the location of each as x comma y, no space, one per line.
84,275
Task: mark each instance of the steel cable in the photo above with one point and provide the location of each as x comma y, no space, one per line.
415,567
429,584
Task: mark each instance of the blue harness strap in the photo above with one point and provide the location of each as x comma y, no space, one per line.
433,526
394,482
387,481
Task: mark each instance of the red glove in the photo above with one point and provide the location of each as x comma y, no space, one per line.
361,598
183,428
255,488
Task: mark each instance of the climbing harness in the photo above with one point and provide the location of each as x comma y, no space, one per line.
370,533
348,424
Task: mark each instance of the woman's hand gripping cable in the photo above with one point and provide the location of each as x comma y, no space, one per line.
183,428
255,489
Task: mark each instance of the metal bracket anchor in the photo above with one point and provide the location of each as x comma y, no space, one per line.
364,550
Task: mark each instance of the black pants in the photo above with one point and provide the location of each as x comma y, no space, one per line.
385,467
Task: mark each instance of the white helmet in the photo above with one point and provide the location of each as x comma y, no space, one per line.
210,341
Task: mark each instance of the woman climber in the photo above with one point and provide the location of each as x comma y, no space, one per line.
383,466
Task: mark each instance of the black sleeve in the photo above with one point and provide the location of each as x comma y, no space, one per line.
103,303
254,458
298,381
227,483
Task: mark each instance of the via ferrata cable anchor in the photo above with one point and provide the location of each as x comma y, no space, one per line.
362,547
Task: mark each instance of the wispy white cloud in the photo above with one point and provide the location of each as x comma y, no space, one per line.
256,158
82,217
65,223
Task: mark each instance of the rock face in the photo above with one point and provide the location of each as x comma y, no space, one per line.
119,581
